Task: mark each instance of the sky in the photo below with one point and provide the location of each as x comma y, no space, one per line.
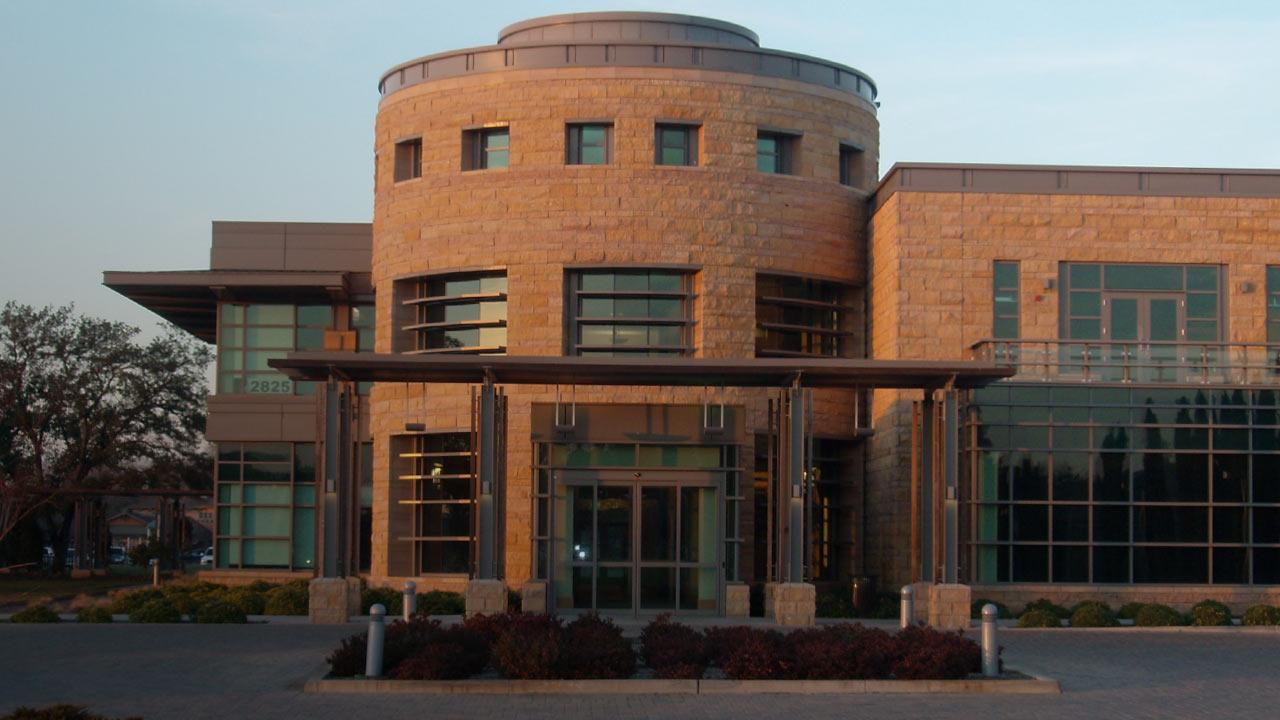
127,126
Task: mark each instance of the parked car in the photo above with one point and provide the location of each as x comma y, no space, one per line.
207,557
117,556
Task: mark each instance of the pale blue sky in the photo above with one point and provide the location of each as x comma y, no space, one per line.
127,126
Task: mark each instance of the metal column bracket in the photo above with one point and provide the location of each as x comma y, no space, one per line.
414,426
572,418
712,414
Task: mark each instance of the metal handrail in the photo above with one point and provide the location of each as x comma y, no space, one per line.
1154,362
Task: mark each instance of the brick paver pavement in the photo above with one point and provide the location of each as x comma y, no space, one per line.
256,671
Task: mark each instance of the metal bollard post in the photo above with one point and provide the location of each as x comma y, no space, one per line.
155,572
990,646
908,611
410,599
377,639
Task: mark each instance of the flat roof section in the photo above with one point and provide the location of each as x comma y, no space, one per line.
1078,180
658,372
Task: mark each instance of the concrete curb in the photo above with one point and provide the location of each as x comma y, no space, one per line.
1012,686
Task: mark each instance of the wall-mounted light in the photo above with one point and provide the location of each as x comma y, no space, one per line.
1049,283
1247,287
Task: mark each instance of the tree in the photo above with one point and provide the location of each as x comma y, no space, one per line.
84,404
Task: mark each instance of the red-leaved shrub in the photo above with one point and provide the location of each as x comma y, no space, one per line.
490,627
759,655
594,648
674,651
841,652
927,654
348,659
530,648
450,654
721,640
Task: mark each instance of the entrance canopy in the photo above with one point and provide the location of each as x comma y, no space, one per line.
694,372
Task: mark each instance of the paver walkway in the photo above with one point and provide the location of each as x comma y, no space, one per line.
256,671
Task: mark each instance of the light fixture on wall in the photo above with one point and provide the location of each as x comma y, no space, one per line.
1049,283
1248,286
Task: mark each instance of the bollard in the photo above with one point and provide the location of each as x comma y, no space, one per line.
410,599
377,638
908,607
990,648
155,572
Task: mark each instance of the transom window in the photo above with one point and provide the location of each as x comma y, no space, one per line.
266,505
437,487
589,144
486,148
629,312
797,316
454,313
675,144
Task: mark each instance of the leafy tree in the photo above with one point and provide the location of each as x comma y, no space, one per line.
85,404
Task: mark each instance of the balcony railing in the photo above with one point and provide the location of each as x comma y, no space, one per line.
1158,363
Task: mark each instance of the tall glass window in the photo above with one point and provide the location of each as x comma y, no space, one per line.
1004,285
1273,304
455,313
798,316
440,472
250,335
266,505
775,152
1125,485
630,312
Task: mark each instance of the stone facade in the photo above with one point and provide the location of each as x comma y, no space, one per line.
794,604
722,220
737,600
949,606
334,600
486,597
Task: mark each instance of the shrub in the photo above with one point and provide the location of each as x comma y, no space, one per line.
441,602
250,601
156,611
1156,615
1093,615
446,654
1210,612
126,603
56,712
219,612
1002,611
673,650
287,600
841,652
260,586
830,604
1052,608
1129,611
390,599
515,601
347,660
489,627
927,654
888,607
760,655
595,648
181,598
720,641
406,639
93,614
36,614
1091,603
530,649
1261,615
1039,619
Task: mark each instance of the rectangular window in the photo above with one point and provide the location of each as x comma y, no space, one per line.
775,152
1131,303
675,144
1273,304
629,312
798,316
589,144
453,313
486,148
438,471
266,496
408,159
1004,285
852,165
251,334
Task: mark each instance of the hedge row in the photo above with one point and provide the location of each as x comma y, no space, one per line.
528,646
1043,613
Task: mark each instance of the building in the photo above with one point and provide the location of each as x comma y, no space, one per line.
637,324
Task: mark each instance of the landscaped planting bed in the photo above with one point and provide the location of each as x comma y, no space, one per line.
539,653
1094,614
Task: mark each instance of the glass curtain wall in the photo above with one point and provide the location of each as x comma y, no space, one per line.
266,505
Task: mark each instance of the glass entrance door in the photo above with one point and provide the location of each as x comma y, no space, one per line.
637,545
1143,329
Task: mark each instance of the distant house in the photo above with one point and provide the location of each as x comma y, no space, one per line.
130,528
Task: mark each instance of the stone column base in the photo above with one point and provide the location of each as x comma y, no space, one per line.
770,595
794,604
737,600
920,596
949,606
486,597
533,597
332,601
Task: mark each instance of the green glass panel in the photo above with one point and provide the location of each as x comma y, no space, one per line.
455,286
1086,329
1086,304
490,284
493,337
268,452
228,553
309,339
497,159
267,494
304,462
767,163
234,314
1202,330
229,521
1006,275
673,156
229,452
314,315
1084,276
266,553
1124,319
1005,328
269,337
593,156
697,525
1164,320
1202,278
228,494
631,281
362,316
593,135
666,335
630,335
666,281
304,495
596,335
495,139
679,456
1202,305
269,315
266,522
231,337
595,281
304,538
631,308
228,472
231,360
665,308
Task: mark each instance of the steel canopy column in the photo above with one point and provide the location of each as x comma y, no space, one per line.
795,481
337,479
951,502
487,566
927,570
